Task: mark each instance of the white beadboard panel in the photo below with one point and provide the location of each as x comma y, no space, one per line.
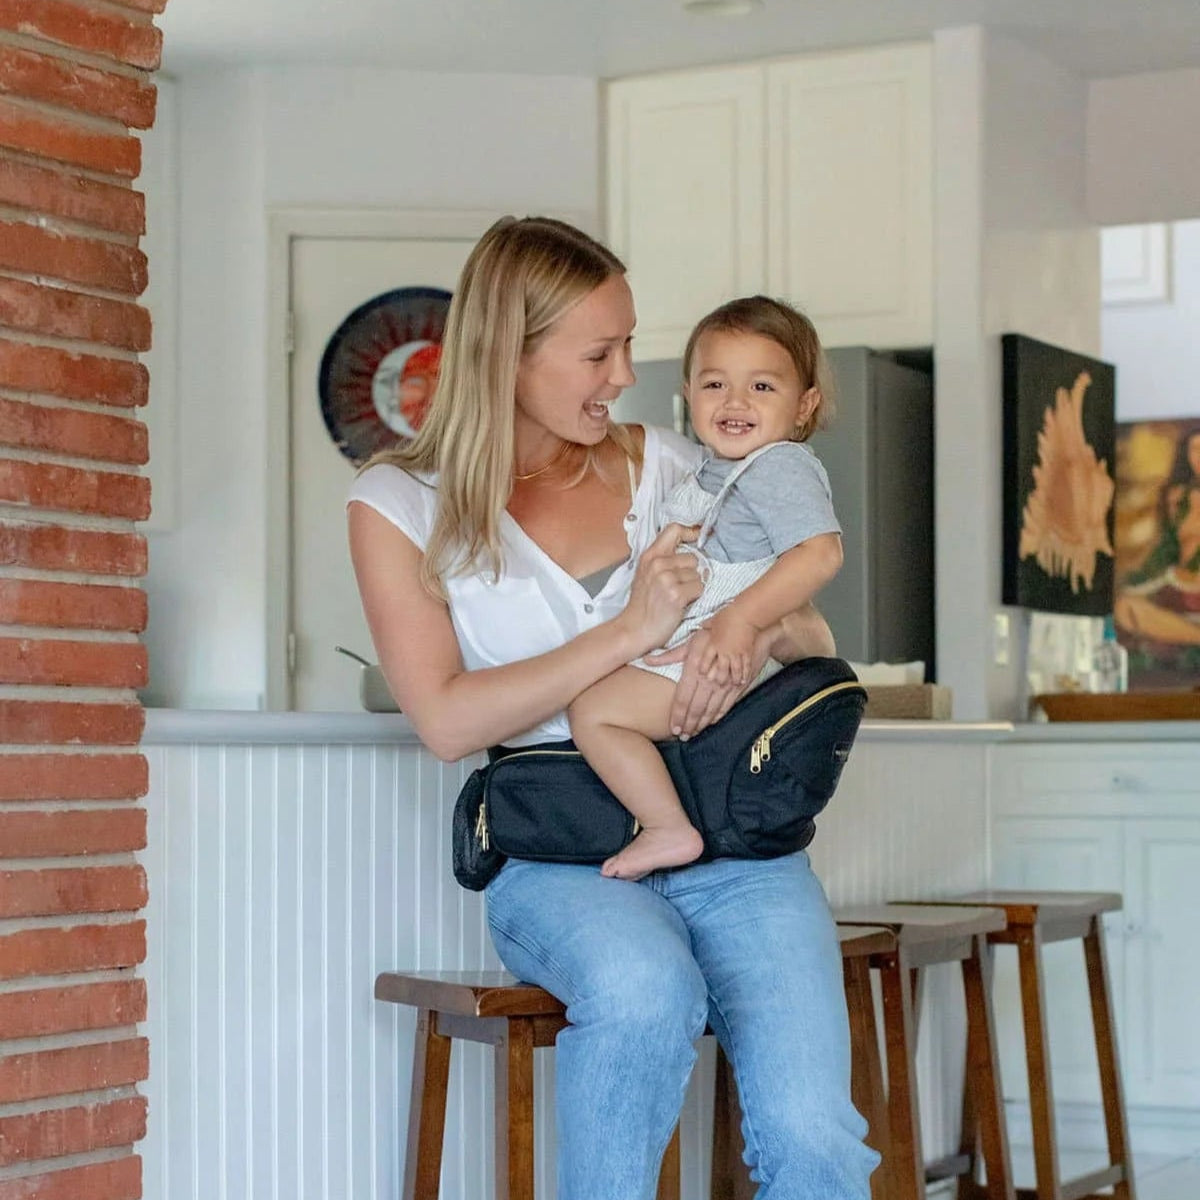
909,821
283,878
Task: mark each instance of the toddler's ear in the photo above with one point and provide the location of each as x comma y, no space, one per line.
808,407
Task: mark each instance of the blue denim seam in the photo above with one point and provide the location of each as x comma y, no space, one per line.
753,1145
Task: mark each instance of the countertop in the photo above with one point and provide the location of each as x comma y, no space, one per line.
166,726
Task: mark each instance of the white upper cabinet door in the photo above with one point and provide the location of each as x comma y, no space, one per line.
851,193
686,179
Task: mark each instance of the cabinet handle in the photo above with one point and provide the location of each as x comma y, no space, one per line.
1126,783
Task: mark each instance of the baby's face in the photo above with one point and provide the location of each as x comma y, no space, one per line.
744,392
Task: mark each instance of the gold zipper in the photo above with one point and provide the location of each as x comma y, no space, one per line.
760,751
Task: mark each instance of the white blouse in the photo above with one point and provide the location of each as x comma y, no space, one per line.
535,606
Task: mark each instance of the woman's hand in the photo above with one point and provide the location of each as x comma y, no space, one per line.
699,702
665,583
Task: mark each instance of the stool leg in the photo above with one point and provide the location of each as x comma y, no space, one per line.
1037,1056
906,1168
514,1112
983,1072
426,1110
669,1172
866,1072
730,1175
1106,1051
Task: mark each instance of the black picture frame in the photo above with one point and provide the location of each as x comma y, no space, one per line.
1059,485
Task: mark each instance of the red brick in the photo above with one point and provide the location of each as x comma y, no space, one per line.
34,1136
84,28
72,605
69,431
73,1069
54,662
58,193
75,489
110,266
56,723
57,312
120,1179
65,890
68,84
72,831
72,376
41,1011
62,548
64,141
65,951
147,6
73,777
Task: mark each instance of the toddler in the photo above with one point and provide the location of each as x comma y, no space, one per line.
768,542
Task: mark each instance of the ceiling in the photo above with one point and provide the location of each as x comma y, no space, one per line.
607,38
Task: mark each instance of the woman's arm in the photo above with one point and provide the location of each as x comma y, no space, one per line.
455,711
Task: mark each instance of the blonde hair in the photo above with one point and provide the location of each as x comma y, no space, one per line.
787,327
520,278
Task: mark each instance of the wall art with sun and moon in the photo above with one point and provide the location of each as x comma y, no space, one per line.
379,370
1059,487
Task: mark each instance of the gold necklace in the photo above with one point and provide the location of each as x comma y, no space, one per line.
542,470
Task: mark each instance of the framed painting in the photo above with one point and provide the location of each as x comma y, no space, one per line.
1059,445
1157,603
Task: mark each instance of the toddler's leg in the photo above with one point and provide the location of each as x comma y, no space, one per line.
614,723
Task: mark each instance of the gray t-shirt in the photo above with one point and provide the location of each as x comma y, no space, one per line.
780,500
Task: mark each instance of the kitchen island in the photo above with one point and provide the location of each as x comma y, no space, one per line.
292,856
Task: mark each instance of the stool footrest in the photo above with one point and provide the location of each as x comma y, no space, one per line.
950,1167
1084,1187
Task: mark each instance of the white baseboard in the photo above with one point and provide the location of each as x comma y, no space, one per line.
1174,1131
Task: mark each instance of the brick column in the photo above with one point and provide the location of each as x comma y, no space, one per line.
75,78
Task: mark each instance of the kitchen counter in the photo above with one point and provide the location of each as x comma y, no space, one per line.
169,726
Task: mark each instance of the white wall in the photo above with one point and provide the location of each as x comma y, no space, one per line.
1013,252
308,137
1143,159
1155,345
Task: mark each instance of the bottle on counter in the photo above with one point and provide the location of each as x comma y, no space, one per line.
1110,662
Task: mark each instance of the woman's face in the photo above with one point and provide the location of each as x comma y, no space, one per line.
1193,453
566,384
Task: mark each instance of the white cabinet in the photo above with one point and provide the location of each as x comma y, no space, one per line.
808,178
850,186
1122,818
686,196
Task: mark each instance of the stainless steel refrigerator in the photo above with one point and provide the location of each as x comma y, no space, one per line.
879,455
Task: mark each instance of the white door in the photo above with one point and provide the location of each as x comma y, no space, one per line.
329,278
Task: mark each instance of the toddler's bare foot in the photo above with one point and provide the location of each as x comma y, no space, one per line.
663,846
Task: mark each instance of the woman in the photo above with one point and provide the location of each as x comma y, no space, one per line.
1161,599
506,561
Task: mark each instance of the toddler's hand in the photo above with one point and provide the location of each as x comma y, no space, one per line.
730,649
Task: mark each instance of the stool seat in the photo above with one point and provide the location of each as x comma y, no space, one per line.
915,924
468,993
861,941
1056,916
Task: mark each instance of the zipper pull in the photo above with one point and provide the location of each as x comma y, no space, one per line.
756,757
481,829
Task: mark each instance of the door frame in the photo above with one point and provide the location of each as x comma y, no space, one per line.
284,225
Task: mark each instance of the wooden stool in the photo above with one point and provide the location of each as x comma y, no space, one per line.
494,1008
1035,919
730,1177
924,936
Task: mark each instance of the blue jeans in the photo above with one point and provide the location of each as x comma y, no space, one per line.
748,946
